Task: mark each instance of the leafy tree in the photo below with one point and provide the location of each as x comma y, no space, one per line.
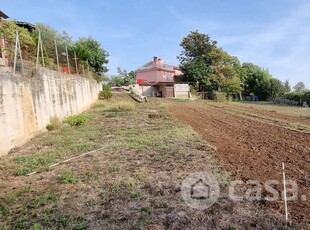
287,86
299,87
257,80
48,36
225,71
8,30
89,50
276,88
124,77
195,58
203,62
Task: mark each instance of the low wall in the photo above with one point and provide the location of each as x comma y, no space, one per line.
181,91
28,104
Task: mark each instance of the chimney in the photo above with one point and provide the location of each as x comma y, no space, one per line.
155,58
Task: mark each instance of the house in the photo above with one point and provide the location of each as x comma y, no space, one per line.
157,79
3,15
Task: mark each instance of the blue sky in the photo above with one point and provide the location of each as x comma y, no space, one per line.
274,34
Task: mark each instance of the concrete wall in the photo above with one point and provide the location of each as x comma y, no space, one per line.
28,104
181,91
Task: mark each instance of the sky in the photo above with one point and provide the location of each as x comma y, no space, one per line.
273,34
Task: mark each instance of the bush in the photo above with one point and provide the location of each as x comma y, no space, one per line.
121,107
220,97
54,124
77,120
106,88
300,97
306,97
105,94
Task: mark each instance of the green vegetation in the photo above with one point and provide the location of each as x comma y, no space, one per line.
54,124
121,107
106,92
203,62
77,120
123,77
138,173
67,176
8,29
297,97
89,51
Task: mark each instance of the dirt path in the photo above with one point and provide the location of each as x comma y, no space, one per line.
254,149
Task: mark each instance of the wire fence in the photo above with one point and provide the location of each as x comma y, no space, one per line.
17,60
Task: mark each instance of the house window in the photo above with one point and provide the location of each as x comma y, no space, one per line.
168,77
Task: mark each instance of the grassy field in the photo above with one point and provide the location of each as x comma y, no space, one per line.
141,147
138,156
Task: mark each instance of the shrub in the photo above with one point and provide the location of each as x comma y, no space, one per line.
121,107
54,124
294,96
105,94
106,88
306,97
220,97
77,120
67,176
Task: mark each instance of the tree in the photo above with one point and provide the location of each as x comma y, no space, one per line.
89,50
48,36
257,80
203,62
8,31
225,71
299,87
195,58
124,77
287,86
276,88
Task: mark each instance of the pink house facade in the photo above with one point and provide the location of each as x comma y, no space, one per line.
157,72
157,79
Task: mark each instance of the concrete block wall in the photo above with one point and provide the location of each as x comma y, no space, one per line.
28,104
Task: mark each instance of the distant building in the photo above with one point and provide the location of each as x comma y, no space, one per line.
3,15
156,79
30,27
157,71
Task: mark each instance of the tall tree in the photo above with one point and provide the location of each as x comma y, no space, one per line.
48,36
203,62
287,86
88,49
257,80
195,58
299,87
124,77
276,88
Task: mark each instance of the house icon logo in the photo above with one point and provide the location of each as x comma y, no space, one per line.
200,190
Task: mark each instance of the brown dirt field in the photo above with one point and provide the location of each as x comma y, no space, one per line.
255,149
270,112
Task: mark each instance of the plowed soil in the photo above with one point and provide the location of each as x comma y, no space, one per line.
253,145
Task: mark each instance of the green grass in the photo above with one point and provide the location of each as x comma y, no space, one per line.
41,201
68,176
121,107
125,173
14,195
